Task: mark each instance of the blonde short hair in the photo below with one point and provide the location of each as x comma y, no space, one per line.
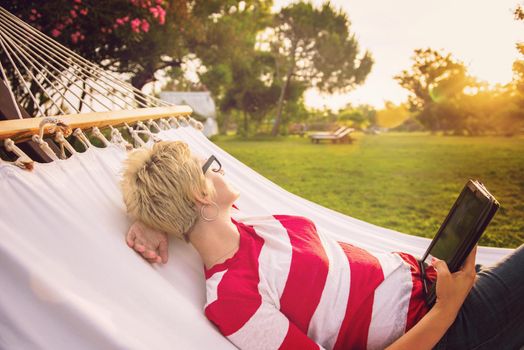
159,186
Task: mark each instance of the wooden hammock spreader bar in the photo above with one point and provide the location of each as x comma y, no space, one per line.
23,129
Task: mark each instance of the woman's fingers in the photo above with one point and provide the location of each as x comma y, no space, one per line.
151,261
469,263
130,237
441,267
149,254
163,252
139,247
149,243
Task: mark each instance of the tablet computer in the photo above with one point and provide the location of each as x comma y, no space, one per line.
460,231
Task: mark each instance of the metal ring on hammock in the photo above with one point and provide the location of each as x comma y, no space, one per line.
56,123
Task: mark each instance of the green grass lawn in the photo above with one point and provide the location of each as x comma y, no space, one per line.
403,181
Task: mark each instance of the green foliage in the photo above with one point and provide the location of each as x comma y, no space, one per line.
314,46
233,70
361,116
136,37
516,115
392,115
434,81
406,182
445,98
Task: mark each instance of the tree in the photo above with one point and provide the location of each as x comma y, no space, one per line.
315,47
230,67
233,68
435,82
361,116
135,37
518,65
392,115
120,35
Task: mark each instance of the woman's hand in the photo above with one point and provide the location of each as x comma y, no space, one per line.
151,244
453,288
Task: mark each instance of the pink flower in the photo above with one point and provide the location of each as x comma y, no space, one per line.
68,21
161,15
103,29
126,19
135,25
158,2
36,13
60,26
32,18
78,1
154,11
73,13
55,32
84,12
145,26
75,37
120,21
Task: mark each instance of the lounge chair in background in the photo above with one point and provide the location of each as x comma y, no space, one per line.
342,135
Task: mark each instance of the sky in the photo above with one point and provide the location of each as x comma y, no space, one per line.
480,33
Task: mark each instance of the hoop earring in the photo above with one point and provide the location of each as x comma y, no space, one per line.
202,212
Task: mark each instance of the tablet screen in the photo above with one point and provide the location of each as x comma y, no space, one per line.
457,228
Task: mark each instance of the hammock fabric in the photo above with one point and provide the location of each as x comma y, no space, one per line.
69,281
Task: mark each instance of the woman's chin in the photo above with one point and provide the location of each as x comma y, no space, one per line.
237,195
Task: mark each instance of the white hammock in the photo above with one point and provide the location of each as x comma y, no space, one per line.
69,281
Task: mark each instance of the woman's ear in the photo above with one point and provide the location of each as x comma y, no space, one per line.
201,197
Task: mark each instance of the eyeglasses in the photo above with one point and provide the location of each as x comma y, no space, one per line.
212,161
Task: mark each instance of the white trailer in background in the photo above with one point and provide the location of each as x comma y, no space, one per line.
202,104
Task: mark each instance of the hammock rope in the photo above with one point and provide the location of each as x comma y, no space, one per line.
64,66
24,83
10,91
62,63
9,45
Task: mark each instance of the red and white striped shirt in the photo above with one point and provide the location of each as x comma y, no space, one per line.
291,287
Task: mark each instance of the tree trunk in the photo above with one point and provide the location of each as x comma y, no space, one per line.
139,80
246,126
225,122
289,73
82,96
276,125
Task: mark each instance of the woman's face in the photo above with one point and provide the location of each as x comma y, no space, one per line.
226,194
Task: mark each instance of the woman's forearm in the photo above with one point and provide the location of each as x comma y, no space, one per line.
427,332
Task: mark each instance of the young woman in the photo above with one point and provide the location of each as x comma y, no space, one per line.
275,282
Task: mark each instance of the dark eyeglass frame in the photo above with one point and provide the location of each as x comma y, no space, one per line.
208,163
